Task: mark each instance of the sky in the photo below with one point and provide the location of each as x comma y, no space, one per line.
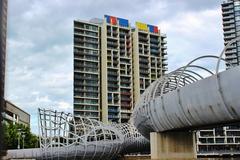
40,42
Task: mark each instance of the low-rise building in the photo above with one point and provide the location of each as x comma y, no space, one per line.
14,114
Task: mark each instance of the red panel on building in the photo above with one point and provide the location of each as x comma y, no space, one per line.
155,30
113,20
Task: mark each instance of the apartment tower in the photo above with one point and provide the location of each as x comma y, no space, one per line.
113,64
231,28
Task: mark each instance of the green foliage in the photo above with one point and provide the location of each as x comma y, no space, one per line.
12,133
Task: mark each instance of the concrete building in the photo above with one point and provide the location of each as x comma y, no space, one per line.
14,114
113,64
231,28
86,69
220,141
149,58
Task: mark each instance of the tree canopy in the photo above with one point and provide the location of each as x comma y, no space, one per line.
14,131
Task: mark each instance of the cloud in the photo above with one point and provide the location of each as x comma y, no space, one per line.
40,37
192,34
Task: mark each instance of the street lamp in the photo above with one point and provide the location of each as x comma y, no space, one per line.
19,134
23,136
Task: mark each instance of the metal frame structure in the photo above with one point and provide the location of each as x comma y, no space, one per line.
182,100
186,99
63,136
68,137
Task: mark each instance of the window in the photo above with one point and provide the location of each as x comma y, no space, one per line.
236,3
237,8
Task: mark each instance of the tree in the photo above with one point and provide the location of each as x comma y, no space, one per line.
12,134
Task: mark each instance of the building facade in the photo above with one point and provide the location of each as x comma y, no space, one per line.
231,28
113,64
224,141
86,69
14,114
219,141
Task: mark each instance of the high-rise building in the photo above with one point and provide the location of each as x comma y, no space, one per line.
3,30
113,64
149,58
231,28
224,141
87,69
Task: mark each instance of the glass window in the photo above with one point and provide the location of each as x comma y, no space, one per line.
237,18
237,8
237,13
236,3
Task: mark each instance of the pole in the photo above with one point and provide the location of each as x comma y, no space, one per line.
23,139
18,141
19,134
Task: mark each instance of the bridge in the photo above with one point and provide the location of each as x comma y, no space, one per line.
189,98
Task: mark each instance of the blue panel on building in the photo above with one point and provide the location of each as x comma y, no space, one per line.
107,18
151,28
123,22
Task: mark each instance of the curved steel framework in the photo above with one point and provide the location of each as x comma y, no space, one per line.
65,136
186,99
183,99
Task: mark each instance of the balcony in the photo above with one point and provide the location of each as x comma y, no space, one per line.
164,42
229,37
86,84
165,63
228,17
126,105
143,60
126,111
227,7
230,52
154,46
113,85
229,31
229,22
112,79
228,12
163,35
112,73
154,41
164,58
231,57
125,116
126,93
143,66
164,53
113,116
155,53
142,38
226,27
165,68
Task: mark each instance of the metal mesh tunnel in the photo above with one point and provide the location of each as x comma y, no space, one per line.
191,97
63,136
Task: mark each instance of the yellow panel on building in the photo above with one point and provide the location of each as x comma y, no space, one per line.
142,26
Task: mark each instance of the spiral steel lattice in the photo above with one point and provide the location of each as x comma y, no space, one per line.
65,136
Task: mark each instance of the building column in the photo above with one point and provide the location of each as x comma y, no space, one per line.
173,146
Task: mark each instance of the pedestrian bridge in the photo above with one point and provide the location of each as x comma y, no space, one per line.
191,97
185,100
